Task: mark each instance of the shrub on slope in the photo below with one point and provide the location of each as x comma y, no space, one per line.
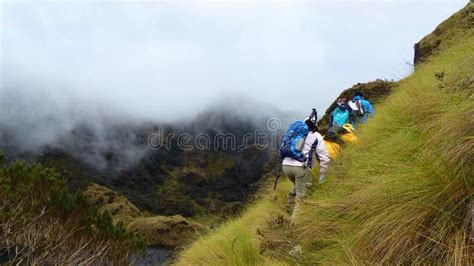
41,222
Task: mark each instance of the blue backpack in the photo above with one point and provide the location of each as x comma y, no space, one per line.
293,141
340,117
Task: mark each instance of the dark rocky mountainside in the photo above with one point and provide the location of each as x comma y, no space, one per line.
170,180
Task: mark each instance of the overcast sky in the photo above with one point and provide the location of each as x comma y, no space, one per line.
158,59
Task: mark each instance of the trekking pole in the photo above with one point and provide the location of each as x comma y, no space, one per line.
278,174
276,181
314,114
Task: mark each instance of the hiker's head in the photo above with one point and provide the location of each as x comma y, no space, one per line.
341,101
360,94
313,117
311,124
331,136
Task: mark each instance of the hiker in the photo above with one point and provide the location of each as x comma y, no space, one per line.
297,167
361,107
334,142
340,116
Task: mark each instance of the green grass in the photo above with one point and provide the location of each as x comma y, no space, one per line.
236,242
401,195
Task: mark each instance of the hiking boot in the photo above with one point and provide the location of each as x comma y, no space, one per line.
291,196
296,211
290,203
309,188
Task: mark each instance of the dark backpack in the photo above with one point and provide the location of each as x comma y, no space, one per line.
293,141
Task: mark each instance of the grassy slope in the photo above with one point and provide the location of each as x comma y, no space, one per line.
236,242
402,194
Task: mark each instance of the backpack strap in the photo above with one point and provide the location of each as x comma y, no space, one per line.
311,151
359,106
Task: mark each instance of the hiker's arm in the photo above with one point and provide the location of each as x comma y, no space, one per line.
330,119
323,157
352,116
368,108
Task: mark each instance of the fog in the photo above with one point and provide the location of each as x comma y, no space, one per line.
64,64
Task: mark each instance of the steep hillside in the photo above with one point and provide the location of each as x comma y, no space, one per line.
401,195
245,240
445,35
404,193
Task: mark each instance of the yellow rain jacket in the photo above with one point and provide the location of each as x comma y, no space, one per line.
349,137
333,149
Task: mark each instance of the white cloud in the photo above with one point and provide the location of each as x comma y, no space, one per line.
154,59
